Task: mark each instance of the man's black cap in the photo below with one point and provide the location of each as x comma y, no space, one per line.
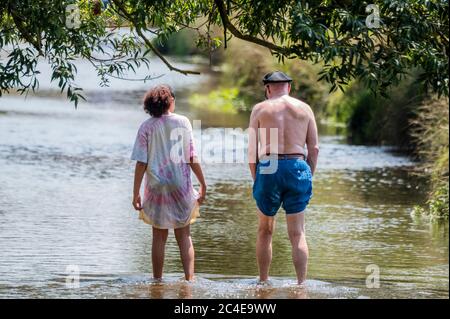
274,77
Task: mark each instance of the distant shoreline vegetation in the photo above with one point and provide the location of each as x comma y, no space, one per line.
181,43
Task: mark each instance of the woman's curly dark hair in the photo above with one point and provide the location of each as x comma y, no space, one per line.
157,100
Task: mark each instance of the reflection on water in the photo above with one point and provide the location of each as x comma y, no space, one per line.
65,186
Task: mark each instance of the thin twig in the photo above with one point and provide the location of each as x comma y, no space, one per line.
148,42
148,78
230,27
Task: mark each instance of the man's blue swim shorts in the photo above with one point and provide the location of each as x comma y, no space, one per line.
290,185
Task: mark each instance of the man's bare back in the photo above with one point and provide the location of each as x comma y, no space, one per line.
295,124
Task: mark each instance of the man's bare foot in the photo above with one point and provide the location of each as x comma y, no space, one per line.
157,280
264,283
191,279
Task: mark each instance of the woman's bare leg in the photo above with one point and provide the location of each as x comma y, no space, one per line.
184,240
158,251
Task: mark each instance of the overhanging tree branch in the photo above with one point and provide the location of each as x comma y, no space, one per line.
161,57
234,31
328,33
148,43
24,32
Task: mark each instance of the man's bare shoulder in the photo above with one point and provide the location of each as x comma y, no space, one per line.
258,106
300,104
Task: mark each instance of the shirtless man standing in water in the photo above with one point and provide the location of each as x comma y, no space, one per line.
292,124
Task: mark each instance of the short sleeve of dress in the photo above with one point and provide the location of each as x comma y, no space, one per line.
140,149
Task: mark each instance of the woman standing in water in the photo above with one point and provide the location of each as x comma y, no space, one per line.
170,201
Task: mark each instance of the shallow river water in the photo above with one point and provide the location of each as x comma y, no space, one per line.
65,194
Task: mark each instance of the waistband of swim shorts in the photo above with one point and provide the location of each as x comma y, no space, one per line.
284,156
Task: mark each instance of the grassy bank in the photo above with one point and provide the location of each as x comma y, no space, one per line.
430,129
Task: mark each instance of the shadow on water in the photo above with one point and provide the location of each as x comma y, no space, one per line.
65,186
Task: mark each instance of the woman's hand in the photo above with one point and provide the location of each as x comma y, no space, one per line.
197,169
137,204
138,175
202,194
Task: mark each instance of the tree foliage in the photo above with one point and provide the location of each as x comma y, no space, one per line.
408,34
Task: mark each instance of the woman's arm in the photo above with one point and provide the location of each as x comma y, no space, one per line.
197,169
139,172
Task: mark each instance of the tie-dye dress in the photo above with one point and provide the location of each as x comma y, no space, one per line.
166,144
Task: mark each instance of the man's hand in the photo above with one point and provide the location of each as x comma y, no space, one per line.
202,194
137,204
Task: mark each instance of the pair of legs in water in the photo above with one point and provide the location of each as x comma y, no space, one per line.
296,232
184,240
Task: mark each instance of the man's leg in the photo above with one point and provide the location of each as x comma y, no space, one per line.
296,231
264,245
158,251
184,240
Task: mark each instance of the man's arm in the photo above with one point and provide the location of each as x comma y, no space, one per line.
312,142
138,175
253,142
